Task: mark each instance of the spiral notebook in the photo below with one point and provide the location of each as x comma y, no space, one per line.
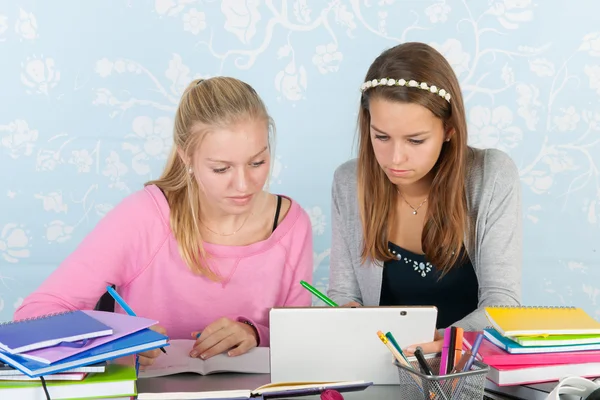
45,331
540,321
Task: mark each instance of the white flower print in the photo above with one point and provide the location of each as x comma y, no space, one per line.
541,67
317,220
52,201
156,138
568,121
453,51
20,139
291,82
26,25
591,44
438,12
13,243
511,12
81,159
493,128
327,58
58,231
39,74
114,170
47,160
593,72
194,21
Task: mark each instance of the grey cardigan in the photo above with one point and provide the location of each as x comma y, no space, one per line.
493,243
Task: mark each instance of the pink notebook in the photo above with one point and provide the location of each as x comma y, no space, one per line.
121,324
494,356
523,375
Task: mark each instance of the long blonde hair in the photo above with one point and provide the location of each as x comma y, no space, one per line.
212,103
446,219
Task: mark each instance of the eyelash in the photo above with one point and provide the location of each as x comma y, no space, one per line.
222,170
412,141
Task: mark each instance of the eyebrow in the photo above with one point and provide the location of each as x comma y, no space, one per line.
408,136
227,162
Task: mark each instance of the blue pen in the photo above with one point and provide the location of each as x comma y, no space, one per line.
120,300
124,305
474,351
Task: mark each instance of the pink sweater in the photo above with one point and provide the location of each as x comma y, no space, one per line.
134,248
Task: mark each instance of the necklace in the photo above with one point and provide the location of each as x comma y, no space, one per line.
228,234
414,209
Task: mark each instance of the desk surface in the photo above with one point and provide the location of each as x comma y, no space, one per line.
198,383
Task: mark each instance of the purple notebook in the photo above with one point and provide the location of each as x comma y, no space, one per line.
121,324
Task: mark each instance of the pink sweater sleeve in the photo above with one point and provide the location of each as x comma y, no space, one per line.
300,261
114,252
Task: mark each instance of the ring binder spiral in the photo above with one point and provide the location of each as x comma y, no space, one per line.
24,320
49,330
541,320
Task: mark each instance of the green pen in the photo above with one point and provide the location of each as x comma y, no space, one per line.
320,295
395,344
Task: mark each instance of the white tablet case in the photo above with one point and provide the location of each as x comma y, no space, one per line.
341,344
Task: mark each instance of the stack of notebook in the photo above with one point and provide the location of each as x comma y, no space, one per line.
70,351
538,344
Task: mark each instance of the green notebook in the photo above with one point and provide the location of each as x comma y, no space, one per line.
116,381
556,340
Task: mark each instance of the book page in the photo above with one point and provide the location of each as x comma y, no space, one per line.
256,360
178,360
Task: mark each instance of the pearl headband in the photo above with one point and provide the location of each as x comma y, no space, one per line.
402,82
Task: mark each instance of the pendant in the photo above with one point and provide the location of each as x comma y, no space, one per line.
415,212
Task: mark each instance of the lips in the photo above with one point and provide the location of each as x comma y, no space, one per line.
241,200
399,172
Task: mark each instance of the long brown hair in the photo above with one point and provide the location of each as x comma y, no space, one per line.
446,221
205,104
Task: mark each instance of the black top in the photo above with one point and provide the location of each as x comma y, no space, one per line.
412,280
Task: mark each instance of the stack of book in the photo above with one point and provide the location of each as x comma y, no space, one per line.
65,355
526,345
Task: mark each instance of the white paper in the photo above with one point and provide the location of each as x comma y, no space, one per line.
178,360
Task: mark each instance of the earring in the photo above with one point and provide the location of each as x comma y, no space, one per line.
190,171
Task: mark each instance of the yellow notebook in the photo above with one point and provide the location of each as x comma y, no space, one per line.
541,321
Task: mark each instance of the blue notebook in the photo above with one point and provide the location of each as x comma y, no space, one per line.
46,331
138,342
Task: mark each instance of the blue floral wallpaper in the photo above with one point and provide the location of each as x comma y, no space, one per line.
88,92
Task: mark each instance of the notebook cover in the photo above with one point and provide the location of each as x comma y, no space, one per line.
35,333
342,388
533,374
113,373
493,355
143,340
556,340
121,324
536,321
514,348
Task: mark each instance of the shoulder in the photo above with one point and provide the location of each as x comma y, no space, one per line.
491,168
346,173
147,206
293,219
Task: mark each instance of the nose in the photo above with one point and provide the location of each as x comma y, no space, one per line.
399,156
241,180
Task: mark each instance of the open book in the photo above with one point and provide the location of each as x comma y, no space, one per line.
178,361
271,390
